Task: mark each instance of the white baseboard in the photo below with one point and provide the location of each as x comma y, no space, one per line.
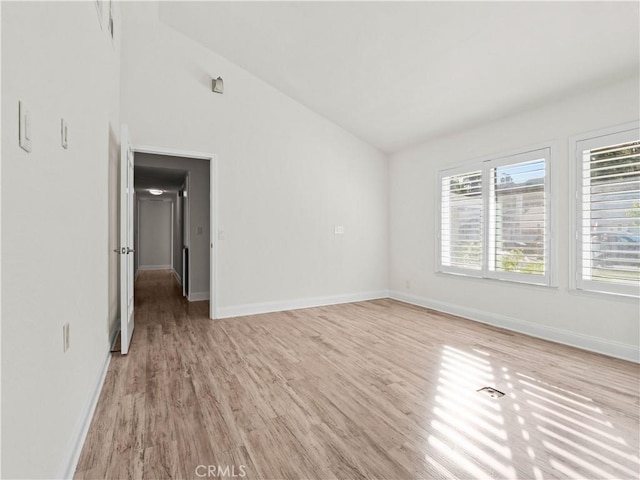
566,337
268,307
155,267
178,278
113,336
198,296
72,455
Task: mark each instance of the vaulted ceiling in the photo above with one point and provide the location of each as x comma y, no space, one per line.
398,73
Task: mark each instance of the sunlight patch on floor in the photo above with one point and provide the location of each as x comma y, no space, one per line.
560,432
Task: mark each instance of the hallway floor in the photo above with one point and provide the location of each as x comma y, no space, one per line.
375,389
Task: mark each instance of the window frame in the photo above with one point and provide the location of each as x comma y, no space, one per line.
577,144
545,151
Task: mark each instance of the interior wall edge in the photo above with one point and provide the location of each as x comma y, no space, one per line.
177,276
79,435
286,305
556,335
198,296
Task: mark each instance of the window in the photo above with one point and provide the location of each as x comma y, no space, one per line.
608,212
494,218
461,216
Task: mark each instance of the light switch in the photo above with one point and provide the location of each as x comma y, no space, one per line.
338,230
24,127
65,337
64,132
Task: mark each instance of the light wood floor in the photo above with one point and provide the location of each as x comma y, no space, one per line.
366,390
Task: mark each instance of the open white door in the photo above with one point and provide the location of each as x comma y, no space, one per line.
126,240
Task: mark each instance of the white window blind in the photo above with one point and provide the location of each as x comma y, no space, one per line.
494,219
461,221
608,233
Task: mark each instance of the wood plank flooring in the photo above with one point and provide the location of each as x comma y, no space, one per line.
375,389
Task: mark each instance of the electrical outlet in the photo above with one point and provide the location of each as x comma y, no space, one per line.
65,337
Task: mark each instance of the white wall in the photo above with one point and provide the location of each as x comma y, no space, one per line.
606,323
55,236
286,176
155,234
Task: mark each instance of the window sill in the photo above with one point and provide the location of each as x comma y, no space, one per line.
498,281
604,295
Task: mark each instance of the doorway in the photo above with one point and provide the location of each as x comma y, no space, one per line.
186,181
159,230
154,234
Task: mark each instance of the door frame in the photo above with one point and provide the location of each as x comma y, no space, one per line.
186,238
213,207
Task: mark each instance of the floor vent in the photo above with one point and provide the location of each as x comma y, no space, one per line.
491,392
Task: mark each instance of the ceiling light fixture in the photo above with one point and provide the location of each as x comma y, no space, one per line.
217,85
155,191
